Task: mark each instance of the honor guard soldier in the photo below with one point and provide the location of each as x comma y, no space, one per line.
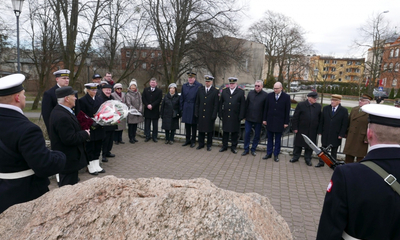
397,103
206,110
362,199
26,162
231,111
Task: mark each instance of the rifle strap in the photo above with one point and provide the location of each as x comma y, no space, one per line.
388,178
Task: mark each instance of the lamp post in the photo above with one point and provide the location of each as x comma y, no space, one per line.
88,61
315,78
17,6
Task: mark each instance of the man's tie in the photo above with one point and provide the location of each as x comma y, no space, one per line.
206,90
276,97
333,111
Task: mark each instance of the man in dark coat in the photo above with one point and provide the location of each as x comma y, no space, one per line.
188,102
255,104
152,97
333,125
25,162
49,100
66,136
231,111
360,203
305,121
356,137
276,118
206,111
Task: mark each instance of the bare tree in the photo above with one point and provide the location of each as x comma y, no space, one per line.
283,39
176,24
76,24
371,40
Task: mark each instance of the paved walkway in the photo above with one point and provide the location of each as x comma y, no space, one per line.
295,190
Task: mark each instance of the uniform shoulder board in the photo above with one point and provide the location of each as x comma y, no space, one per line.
216,88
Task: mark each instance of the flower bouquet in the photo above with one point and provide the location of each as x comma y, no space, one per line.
111,112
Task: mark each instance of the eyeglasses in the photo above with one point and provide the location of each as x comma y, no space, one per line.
277,88
119,88
257,85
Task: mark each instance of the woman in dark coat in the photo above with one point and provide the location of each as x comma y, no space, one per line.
170,113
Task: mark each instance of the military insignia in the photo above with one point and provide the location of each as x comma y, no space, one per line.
329,186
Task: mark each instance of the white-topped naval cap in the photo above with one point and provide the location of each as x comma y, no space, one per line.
91,85
62,73
11,84
383,114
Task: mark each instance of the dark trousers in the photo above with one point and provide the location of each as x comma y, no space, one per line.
93,149
333,153
132,128
107,143
234,139
68,179
257,130
351,159
147,122
270,144
170,135
307,153
202,136
118,136
191,130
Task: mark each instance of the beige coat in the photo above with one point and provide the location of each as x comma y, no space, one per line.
357,133
134,100
122,125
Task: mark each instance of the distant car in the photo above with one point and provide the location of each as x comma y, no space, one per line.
381,94
304,87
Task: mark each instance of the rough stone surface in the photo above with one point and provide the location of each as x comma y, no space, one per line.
151,208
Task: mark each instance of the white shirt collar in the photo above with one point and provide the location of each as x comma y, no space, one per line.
232,90
12,107
376,146
69,109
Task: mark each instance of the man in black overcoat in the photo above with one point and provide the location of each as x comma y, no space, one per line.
255,104
333,125
49,99
276,118
231,111
25,162
206,110
359,203
305,121
66,136
151,97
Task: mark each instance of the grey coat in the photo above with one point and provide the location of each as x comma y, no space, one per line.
134,100
122,125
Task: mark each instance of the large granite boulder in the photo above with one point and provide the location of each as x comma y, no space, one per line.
113,208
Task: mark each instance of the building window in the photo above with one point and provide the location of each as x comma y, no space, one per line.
152,66
391,53
349,63
339,79
348,69
333,76
358,63
326,61
159,54
153,55
357,70
326,69
385,67
324,76
134,54
333,61
390,67
340,73
144,54
128,54
333,69
396,54
355,78
396,68
394,83
341,65
347,78
144,65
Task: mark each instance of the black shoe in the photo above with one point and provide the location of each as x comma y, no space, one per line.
233,150
104,159
208,148
276,159
110,155
95,174
193,145
267,156
132,141
253,153
122,142
245,153
166,141
116,143
147,139
171,142
223,149
155,140
308,163
319,165
199,147
185,144
293,160
102,171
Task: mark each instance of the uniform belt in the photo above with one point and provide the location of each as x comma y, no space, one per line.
346,236
17,175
